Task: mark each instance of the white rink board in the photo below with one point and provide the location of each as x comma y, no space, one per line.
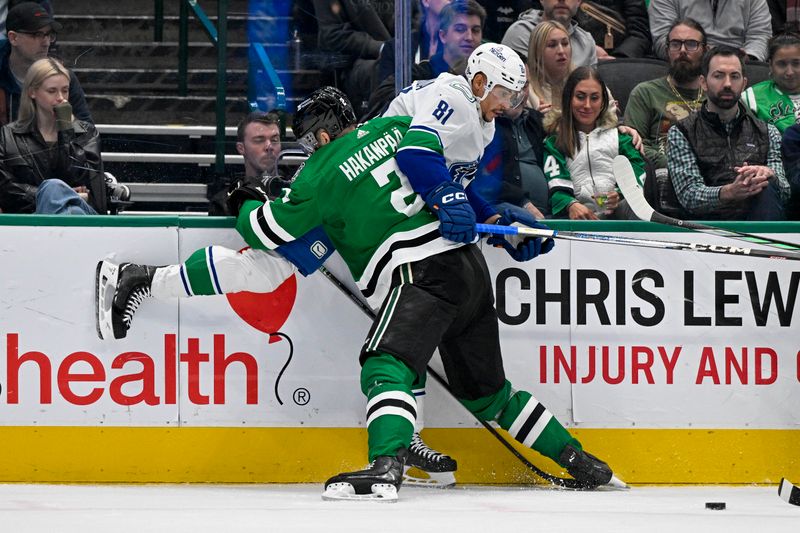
47,312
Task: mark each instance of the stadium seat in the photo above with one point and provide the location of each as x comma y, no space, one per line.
756,72
623,74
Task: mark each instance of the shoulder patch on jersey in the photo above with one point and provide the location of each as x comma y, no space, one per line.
464,89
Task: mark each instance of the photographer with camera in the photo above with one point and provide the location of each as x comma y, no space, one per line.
49,160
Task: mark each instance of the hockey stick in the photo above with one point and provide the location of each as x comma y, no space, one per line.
629,185
567,483
788,492
634,241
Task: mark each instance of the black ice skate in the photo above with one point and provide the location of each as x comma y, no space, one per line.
119,290
380,481
587,469
437,468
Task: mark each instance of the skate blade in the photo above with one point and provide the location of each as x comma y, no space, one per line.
615,484
414,477
381,492
105,284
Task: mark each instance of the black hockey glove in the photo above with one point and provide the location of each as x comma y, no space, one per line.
519,247
262,190
449,202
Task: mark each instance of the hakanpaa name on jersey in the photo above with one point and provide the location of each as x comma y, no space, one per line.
355,190
374,152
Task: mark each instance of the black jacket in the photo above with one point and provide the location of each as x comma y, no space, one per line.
26,161
356,28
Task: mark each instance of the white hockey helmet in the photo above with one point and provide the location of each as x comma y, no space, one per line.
501,65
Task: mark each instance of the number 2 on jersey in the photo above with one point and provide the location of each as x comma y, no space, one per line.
442,112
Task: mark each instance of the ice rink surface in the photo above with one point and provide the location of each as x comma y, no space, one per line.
265,508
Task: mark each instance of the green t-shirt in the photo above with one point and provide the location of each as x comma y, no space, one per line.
353,188
652,109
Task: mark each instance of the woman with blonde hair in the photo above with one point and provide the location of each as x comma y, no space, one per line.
580,151
549,64
49,161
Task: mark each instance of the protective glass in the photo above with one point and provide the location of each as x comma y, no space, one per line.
308,143
690,44
504,94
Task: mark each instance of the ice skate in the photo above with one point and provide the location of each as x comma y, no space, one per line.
427,467
380,481
119,290
588,470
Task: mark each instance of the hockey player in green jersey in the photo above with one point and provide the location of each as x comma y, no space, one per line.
411,252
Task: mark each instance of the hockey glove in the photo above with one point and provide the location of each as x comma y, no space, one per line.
520,247
449,202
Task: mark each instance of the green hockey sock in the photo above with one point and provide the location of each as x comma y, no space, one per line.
527,420
391,409
200,278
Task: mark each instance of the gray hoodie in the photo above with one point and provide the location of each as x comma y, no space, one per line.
518,36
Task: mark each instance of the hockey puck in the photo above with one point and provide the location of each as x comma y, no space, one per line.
715,506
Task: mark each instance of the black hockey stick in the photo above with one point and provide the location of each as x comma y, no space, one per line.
635,241
628,184
788,492
554,480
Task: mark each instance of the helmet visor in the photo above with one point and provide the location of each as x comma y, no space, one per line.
509,97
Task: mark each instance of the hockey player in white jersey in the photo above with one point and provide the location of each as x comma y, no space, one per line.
452,126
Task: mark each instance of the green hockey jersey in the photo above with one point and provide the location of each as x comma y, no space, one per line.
353,188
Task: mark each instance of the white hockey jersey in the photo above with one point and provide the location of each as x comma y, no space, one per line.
446,118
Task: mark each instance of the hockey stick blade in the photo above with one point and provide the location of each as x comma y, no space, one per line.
634,241
566,483
626,179
788,492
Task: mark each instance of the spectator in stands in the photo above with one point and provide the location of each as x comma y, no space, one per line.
460,32
580,151
31,32
724,163
777,100
740,23
510,172
518,36
424,41
620,28
50,161
790,150
258,141
655,105
358,29
5,5
549,63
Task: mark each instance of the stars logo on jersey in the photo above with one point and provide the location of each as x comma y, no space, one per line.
361,133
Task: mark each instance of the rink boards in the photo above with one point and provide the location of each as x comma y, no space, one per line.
675,367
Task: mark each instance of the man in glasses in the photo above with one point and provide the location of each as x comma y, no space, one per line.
31,31
655,105
743,24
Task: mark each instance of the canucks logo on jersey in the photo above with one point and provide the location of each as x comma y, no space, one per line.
463,173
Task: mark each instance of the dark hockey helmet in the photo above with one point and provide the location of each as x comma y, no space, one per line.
327,108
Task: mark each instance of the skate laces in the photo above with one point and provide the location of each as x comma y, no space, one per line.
135,299
418,447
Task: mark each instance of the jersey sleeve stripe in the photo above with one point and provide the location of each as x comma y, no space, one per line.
419,127
561,184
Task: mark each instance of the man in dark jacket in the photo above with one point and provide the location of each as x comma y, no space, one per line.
357,29
31,31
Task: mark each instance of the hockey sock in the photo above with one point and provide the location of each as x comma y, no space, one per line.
391,409
525,419
219,270
418,389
